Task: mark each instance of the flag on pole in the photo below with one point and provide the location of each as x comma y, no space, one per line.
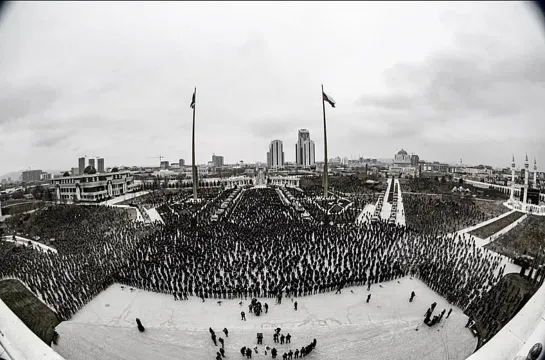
329,99
193,100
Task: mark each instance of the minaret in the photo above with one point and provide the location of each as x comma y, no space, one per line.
535,174
526,167
513,178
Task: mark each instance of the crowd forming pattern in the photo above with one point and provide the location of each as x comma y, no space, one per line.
264,248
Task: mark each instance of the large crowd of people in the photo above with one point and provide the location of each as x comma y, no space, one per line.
260,248
440,214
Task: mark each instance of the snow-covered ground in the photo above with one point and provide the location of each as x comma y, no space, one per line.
124,197
154,215
366,214
24,241
19,342
400,220
344,325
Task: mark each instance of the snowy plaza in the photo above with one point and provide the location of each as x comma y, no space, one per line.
344,325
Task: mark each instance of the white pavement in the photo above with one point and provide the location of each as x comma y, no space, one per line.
154,215
366,214
24,241
510,267
344,325
124,197
400,220
386,206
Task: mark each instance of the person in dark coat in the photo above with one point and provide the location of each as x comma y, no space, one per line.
214,339
295,305
296,353
222,352
412,296
226,332
448,314
141,327
242,316
282,339
273,353
248,353
266,306
288,339
221,342
368,297
243,350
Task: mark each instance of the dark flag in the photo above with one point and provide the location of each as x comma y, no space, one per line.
329,99
193,100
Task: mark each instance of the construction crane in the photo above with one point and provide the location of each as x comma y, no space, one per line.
160,157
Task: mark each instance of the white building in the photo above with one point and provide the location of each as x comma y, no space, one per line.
92,186
275,156
309,154
305,151
402,159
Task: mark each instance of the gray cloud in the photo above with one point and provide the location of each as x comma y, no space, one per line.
465,80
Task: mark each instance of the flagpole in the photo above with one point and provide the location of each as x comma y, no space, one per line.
325,147
193,164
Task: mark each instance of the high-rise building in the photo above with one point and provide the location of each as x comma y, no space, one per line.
74,171
217,161
309,153
31,175
164,165
81,165
100,162
275,156
305,151
415,160
182,162
92,163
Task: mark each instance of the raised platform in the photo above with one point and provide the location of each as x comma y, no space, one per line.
537,210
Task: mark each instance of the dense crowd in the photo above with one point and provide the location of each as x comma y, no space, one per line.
440,214
261,248
339,185
92,243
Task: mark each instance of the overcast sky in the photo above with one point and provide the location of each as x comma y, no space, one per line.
447,81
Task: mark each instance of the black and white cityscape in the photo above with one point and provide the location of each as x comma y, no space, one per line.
229,180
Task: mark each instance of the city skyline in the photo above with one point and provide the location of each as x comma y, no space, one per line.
456,83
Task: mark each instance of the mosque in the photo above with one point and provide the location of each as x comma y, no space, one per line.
529,197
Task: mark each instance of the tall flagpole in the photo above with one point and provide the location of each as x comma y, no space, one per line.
325,147
193,164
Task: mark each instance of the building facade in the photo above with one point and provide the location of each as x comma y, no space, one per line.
93,187
164,165
305,151
402,159
32,175
275,156
92,162
81,165
100,163
181,162
217,161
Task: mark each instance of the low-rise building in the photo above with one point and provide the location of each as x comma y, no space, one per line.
92,186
